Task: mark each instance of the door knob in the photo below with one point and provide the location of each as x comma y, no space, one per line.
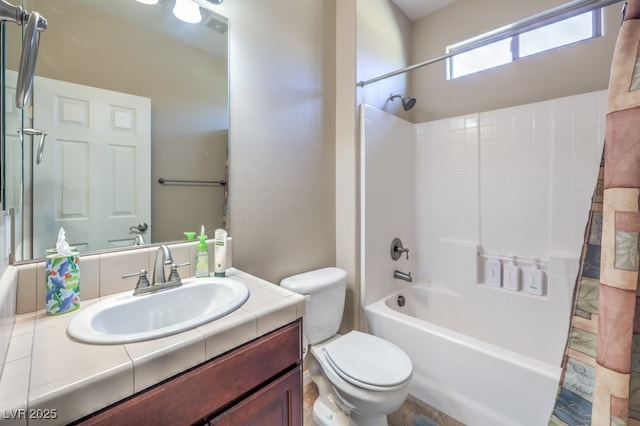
141,227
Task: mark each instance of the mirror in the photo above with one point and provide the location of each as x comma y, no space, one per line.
151,76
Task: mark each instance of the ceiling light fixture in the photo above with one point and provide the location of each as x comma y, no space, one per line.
187,11
149,2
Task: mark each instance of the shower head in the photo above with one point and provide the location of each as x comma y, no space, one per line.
407,101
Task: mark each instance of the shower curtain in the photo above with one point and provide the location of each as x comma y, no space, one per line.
600,383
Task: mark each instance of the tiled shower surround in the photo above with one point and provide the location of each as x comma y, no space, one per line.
518,180
511,182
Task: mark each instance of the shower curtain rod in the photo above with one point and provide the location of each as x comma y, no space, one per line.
550,16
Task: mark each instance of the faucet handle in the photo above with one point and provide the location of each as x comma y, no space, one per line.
397,249
405,251
174,275
143,281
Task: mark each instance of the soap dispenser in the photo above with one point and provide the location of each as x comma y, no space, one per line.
202,258
535,282
511,275
493,274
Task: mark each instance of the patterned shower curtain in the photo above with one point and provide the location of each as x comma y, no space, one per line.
600,383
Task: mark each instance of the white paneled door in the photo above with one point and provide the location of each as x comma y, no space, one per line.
95,175
15,174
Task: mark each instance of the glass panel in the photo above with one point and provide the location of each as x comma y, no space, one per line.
3,200
479,59
555,35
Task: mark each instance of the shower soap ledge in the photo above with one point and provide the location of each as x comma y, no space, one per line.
535,280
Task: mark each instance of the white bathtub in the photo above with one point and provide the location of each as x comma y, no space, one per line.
475,382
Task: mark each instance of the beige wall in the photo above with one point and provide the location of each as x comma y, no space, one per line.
568,71
384,45
188,91
347,202
282,150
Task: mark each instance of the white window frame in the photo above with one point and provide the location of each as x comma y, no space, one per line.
596,31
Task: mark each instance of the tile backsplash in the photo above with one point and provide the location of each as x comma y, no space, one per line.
101,274
8,283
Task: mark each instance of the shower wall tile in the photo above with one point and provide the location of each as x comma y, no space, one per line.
447,165
508,172
586,110
562,114
537,171
578,124
389,210
516,181
603,103
533,167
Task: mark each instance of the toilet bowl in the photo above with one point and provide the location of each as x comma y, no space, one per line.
368,375
360,377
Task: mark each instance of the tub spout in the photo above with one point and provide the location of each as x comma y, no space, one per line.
405,276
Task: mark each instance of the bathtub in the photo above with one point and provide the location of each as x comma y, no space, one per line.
471,380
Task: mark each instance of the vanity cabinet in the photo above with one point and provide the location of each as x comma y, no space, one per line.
278,403
257,383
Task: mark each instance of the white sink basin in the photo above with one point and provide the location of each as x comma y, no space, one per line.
128,318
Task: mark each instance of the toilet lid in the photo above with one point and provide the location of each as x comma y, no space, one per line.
364,359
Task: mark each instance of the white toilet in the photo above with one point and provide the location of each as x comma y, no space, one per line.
360,377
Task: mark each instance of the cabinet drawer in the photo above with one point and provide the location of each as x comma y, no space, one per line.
198,393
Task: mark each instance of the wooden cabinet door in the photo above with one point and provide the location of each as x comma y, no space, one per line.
279,403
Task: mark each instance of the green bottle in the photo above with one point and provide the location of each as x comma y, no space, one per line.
202,258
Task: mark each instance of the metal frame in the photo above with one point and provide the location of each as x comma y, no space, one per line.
164,181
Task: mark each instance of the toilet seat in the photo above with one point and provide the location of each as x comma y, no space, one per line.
368,361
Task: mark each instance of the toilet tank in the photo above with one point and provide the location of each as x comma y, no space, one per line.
325,291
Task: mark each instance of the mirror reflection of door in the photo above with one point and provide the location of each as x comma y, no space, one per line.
14,170
145,51
95,175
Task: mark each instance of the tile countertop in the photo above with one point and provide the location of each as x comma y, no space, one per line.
48,374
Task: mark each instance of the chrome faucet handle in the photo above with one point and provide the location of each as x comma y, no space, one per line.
397,249
174,276
143,281
403,250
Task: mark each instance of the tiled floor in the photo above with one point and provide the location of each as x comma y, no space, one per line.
310,394
407,415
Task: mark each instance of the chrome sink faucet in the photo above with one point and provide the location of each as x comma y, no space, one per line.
160,282
138,240
163,257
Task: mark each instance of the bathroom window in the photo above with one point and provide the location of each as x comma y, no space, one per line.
552,36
